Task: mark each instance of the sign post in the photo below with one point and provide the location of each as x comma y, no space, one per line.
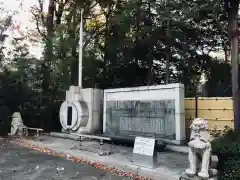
144,153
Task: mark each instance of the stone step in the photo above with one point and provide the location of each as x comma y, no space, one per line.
63,135
177,148
174,148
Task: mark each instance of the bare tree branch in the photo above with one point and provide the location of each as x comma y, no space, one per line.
40,2
37,19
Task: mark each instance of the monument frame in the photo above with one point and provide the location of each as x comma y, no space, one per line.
148,95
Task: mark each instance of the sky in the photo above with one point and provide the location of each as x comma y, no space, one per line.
23,15
23,20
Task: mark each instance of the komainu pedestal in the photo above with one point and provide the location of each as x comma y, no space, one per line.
200,152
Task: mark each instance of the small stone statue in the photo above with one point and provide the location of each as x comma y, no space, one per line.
200,146
16,125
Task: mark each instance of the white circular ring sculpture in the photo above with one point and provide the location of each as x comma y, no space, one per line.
79,115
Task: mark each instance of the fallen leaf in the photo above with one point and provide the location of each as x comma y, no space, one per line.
97,165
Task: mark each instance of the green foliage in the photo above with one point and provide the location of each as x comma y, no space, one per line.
227,148
219,78
231,170
136,42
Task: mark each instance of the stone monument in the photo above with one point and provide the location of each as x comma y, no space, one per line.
146,111
200,149
81,112
17,124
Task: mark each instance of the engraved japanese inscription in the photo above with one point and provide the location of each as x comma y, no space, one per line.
150,118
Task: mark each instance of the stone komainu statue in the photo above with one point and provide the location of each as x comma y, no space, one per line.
16,125
200,146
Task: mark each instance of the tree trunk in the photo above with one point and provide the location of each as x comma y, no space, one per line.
137,34
168,52
150,51
233,39
74,63
48,55
105,80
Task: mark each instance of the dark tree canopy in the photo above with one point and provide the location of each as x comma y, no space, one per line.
126,44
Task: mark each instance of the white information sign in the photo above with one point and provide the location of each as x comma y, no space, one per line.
144,146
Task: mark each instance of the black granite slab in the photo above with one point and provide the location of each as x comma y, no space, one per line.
141,118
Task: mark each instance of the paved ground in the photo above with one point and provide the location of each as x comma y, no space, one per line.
170,164
19,163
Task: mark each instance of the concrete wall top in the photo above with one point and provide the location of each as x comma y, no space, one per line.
143,88
209,98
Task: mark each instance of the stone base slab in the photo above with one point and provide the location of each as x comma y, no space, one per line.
185,177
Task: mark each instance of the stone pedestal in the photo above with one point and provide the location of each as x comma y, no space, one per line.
145,161
185,177
144,152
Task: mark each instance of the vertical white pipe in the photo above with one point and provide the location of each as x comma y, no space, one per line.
80,67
